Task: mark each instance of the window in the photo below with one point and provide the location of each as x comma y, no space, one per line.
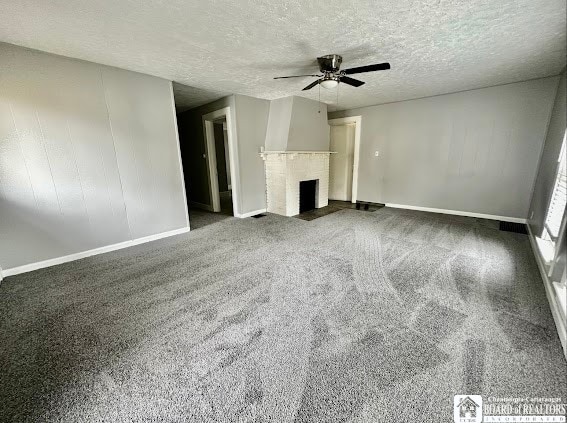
558,199
556,208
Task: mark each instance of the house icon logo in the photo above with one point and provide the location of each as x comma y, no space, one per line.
467,409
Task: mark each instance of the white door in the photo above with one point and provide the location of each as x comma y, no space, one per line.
341,163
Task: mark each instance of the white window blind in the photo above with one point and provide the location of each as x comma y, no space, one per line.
559,198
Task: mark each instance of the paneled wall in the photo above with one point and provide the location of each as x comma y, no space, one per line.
88,157
475,151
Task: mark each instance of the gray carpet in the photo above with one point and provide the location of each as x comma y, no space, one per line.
200,218
353,317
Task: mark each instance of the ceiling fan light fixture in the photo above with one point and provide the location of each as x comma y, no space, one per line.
329,66
329,83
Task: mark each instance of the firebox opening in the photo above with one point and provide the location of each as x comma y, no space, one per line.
307,194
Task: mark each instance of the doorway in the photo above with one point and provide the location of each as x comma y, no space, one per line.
343,164
219,145
214,183
220,135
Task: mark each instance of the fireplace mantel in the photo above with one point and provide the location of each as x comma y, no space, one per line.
264,154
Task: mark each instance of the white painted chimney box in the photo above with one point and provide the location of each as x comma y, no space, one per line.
284,171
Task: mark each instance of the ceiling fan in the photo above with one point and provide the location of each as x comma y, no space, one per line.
330,65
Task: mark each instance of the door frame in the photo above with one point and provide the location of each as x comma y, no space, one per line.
357,120
210,151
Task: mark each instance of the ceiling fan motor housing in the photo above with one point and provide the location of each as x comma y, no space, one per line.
332,75
330,63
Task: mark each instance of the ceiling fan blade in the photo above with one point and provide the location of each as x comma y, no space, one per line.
311,85
369,68
296,76
351,81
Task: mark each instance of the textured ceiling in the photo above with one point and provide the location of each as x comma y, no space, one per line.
222,47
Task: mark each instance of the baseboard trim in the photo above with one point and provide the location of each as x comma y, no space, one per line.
100,250
252,213
550,293
458,213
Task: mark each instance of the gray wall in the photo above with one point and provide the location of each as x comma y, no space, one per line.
545,181
309,129
249,118
88,157
297,124
279,120
251,125
475,151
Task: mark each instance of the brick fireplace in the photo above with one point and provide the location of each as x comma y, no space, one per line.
284,172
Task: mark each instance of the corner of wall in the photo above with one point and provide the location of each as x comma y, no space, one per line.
179,154
530,220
